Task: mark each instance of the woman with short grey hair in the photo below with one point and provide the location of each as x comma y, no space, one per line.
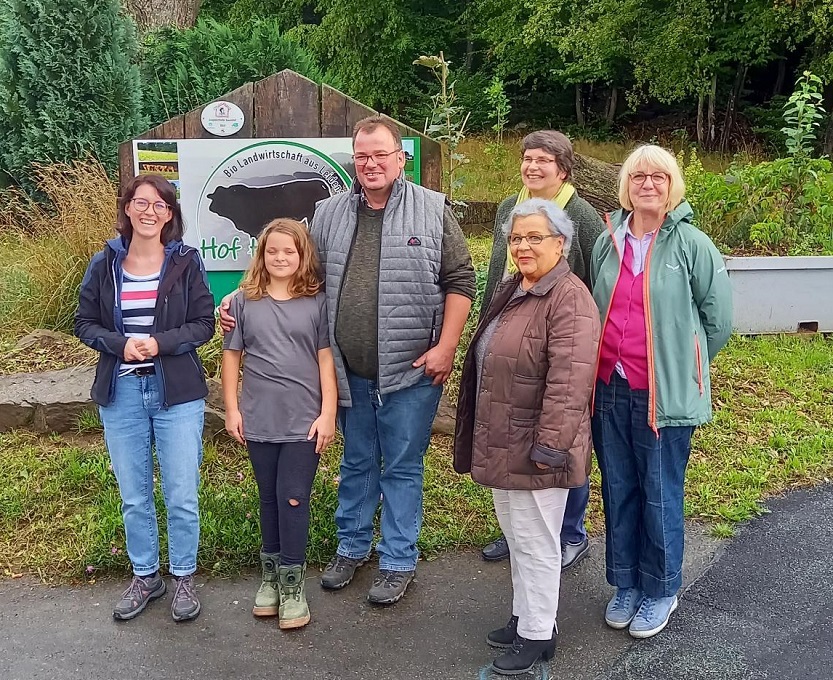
523,418
547,162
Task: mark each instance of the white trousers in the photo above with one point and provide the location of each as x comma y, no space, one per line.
531,522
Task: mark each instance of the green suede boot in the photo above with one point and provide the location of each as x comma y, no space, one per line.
267,599
294,611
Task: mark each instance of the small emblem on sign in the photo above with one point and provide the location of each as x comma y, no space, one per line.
222,118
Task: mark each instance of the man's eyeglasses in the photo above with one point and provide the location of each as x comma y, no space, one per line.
532,239
656,178
141,204
379,157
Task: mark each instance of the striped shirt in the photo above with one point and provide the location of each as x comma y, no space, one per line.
138,302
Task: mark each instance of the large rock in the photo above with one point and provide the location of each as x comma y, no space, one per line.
53,402
45,402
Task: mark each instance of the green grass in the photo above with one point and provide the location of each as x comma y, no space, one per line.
772,432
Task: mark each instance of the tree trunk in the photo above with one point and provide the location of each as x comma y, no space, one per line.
779,79
612,103
152,14
579,106
701,134
731,108
710,116
827,147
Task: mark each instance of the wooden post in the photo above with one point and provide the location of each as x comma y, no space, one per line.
286,105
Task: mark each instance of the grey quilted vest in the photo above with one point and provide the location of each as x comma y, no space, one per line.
411,302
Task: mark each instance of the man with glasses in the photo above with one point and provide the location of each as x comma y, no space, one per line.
546,164
399,282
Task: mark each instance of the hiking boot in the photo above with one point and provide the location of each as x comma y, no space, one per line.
573,553
142,589
268,596
522,655
652,616
340,571
186,604
496,550
389,586
623,607
502,638
294,611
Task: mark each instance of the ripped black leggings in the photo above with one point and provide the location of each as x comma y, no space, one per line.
284,473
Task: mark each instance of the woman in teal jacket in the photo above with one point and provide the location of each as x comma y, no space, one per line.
664,295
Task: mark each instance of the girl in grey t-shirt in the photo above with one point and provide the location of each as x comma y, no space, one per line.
286,411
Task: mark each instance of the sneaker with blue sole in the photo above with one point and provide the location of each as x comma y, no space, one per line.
652,616
622,607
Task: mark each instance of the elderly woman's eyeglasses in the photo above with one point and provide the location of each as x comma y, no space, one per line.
531,239
141,204
656,177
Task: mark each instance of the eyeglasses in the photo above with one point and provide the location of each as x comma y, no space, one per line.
656,177
539,160
141,204
532,239
379,157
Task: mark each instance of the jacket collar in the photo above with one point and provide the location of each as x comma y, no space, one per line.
546,283
357,190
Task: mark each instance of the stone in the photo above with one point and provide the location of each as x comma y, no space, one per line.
45,402
446,418
43,337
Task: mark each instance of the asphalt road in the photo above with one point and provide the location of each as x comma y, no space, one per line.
757,607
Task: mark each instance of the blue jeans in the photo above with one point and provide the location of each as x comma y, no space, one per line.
642,489
385,439
133,421
572,529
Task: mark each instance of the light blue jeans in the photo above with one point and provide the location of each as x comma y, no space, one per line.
133,421
385,439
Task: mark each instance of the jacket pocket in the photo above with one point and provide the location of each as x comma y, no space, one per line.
698,359
521,444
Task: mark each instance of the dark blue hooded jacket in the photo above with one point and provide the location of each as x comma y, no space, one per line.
183,320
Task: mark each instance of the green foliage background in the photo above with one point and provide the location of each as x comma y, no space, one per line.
69,84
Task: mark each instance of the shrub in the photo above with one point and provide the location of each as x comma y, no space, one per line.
186,68
781,207
68,85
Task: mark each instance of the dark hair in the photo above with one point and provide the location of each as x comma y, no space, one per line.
554,143
173,229
370,123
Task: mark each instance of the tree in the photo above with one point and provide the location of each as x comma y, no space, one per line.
153,14
68,82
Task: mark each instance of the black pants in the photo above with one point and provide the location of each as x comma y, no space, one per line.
284,473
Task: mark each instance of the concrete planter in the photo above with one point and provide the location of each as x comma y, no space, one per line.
781,294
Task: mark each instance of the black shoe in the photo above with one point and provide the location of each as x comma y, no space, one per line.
573,553
502,638
389,586
340,571
496,550
523,654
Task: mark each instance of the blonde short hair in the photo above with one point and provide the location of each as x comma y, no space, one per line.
652,158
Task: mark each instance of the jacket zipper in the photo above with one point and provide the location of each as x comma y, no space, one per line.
649,336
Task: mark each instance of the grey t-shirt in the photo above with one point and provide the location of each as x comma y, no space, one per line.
281,394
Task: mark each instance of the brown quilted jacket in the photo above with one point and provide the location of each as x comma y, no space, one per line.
534,400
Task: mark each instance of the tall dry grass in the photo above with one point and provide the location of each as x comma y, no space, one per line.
45,247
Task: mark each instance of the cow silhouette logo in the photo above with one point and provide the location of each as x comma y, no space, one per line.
251,208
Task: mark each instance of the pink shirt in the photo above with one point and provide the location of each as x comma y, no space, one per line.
625,341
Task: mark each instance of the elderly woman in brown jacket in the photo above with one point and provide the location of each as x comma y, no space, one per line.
523,418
